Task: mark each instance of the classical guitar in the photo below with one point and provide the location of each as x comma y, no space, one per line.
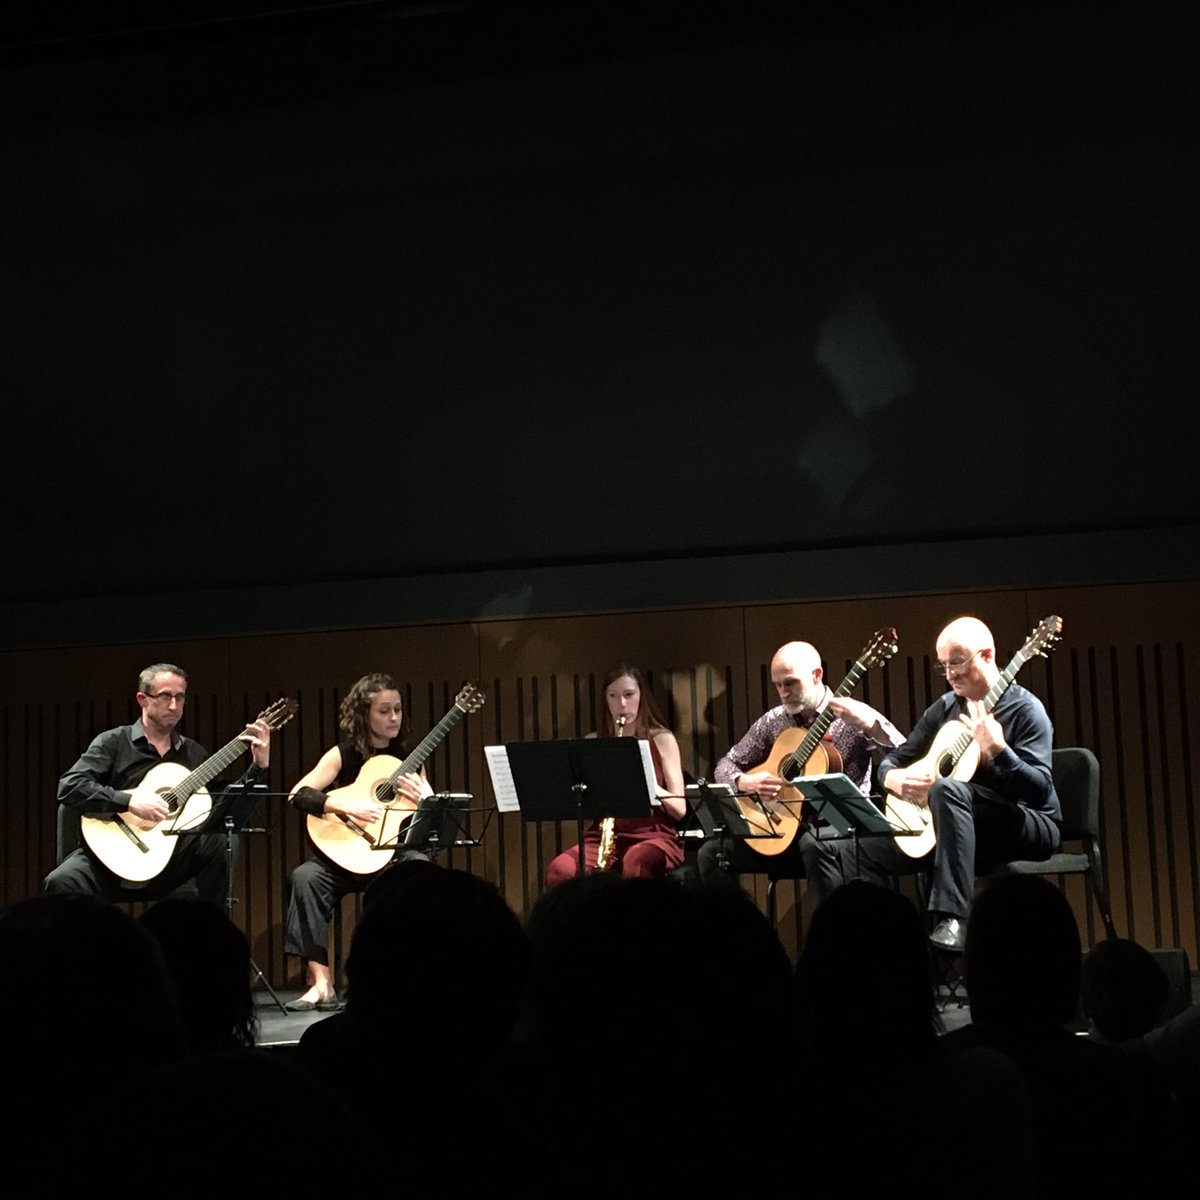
953,753
137,850
799,751
367,847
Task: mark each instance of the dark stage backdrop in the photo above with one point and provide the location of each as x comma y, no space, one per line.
488,289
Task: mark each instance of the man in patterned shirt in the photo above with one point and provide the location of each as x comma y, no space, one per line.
858,732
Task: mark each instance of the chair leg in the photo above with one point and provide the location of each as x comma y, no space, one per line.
335,959
948,978
1099,886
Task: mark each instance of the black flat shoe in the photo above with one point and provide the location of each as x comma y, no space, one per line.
301,1005
333,1004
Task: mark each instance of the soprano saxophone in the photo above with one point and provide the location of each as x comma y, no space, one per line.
607,836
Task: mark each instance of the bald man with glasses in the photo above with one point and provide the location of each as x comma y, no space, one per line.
1007,810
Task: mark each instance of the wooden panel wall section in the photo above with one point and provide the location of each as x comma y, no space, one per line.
1124,681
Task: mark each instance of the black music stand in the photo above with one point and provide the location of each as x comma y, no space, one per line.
439,823
853,815
584,779
717,812
230,815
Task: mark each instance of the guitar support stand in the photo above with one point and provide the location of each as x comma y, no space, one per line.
233,810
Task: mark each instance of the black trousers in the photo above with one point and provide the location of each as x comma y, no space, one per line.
976,828
721,860
200,859
317,886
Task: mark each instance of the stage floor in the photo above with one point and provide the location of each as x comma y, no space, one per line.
279,1030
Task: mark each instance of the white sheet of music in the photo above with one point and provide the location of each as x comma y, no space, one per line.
502,780
648,766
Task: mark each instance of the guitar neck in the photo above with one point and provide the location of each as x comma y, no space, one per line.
207,771
959,746
824,719
426,746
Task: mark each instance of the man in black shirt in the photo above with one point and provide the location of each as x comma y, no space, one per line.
105,778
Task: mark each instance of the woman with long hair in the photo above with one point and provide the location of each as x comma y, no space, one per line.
371,720
641,847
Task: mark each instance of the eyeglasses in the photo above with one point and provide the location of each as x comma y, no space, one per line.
955,665
167,697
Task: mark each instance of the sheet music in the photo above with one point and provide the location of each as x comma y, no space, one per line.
502,779
648,766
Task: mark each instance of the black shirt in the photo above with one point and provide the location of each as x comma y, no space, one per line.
117,760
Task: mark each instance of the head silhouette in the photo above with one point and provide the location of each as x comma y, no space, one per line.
1022,959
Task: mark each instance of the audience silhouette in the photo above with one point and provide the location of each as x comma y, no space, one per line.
208,960
632,1036
1023,964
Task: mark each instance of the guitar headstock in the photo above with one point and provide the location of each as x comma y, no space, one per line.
470,699
1044,637
882,646
280,713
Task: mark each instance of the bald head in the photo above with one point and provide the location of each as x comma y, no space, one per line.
968,651
796,657
798,676
967,633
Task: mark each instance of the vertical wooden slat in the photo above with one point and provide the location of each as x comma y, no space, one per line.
1192,844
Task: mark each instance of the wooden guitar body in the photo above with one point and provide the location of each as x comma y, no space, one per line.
359,846
798,751
939,762
352,844
138,850
782,816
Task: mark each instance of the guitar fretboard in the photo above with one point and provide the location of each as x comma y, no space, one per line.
793,764
207,771
959,746
415,760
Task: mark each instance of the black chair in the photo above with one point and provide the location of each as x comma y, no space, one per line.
67,838
773,878
1077,781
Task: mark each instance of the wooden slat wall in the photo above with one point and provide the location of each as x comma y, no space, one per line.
1123,681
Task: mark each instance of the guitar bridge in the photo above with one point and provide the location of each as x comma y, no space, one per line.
357,828
132,835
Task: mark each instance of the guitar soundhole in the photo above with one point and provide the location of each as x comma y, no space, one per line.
945,766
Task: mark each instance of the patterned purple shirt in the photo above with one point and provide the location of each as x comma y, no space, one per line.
856,748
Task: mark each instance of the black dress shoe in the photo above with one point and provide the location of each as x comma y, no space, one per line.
949,934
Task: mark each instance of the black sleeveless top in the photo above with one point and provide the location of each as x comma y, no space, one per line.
353,758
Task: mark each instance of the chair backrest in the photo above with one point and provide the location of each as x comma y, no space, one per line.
67,836
1077,781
